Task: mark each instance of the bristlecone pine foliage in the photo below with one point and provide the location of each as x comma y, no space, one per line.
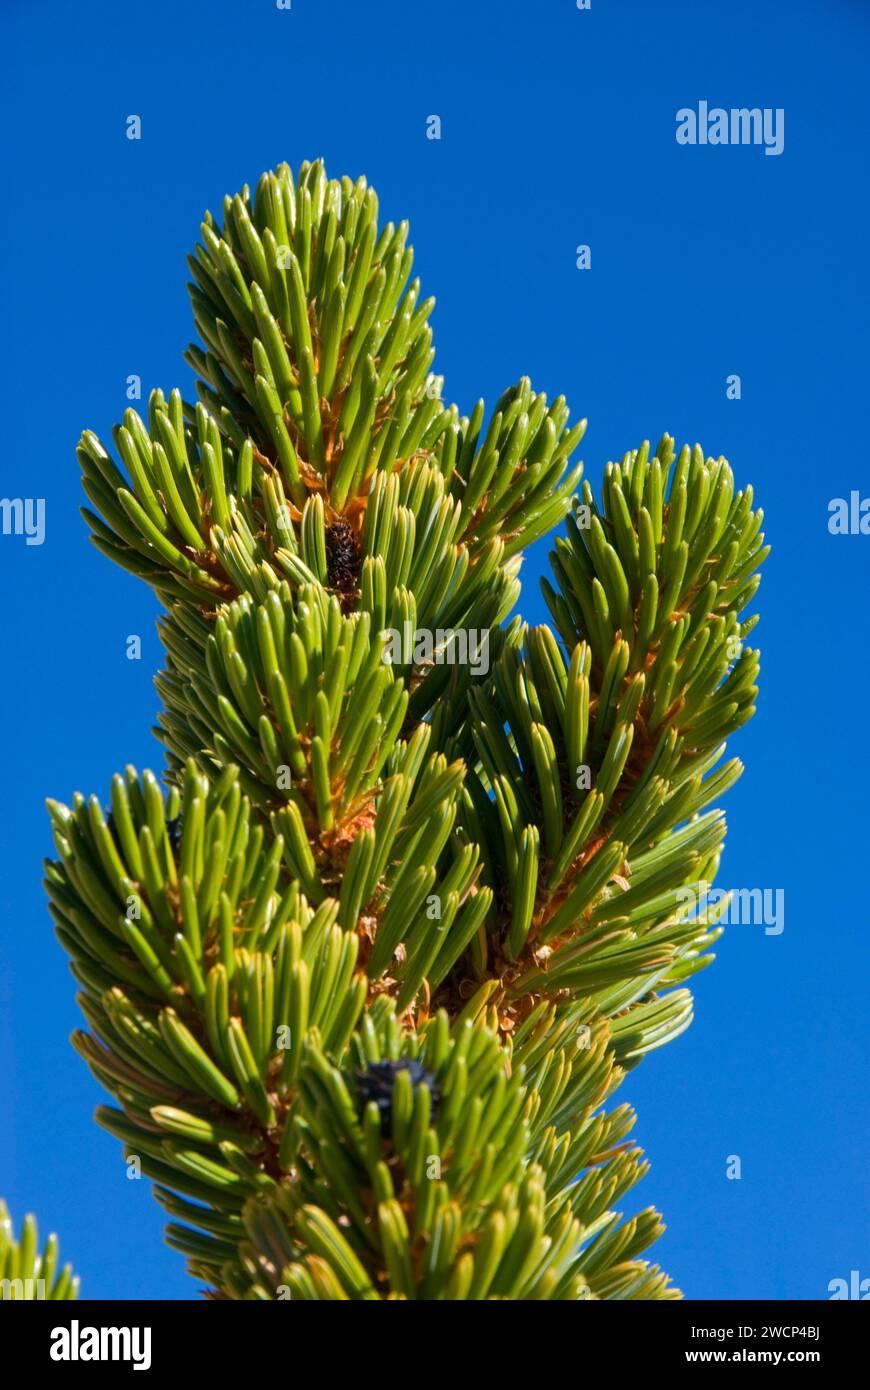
363,982
28,1273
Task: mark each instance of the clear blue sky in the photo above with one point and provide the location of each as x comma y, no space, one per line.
558,129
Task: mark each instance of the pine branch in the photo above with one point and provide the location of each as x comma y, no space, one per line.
363,981
591,757
28,1273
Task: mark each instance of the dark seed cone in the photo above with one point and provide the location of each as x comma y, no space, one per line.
378,1081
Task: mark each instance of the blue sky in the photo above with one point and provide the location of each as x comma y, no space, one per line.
558,129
